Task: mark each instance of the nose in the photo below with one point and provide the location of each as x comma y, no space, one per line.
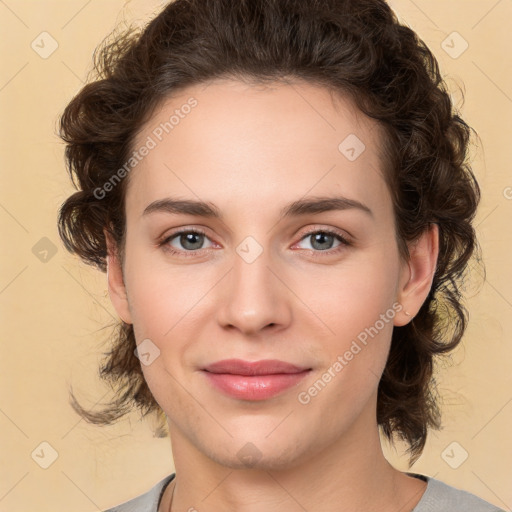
254,296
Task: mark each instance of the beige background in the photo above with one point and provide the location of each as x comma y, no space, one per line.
53,311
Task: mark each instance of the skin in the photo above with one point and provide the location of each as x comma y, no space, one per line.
250,150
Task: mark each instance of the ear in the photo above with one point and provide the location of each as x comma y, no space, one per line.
116,286
417,274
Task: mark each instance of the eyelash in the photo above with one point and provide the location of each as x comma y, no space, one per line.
315,253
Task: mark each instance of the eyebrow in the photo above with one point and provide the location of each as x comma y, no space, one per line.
305,206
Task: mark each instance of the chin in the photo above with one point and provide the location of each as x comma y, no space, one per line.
258,452
250,457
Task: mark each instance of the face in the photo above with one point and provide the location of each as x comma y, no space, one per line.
267,272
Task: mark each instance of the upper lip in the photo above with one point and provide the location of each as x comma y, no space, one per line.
263,367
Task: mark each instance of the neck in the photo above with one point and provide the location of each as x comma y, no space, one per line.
351,473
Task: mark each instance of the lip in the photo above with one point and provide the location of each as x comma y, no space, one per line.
254,380
263,367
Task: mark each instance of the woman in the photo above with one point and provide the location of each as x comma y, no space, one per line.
216,153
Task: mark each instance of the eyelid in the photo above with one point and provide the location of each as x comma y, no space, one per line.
345,240
180,230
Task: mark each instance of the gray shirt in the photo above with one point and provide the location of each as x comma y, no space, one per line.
438,497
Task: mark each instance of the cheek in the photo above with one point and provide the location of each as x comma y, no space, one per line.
354,297
357,306
354,359
160,296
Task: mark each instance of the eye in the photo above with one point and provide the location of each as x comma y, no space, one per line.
322,240
187,242
184,241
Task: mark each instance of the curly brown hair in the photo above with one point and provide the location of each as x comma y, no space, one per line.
353,47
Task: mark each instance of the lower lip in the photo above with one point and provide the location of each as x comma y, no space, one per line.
254,387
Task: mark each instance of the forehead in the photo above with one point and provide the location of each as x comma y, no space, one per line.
234,142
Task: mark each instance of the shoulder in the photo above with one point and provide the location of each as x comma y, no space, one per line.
441,497
147,502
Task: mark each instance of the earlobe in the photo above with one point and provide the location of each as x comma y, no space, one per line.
115,281
418,274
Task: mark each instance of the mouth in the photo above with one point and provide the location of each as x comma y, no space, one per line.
255,381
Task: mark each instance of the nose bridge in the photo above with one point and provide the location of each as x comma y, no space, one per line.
254,298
